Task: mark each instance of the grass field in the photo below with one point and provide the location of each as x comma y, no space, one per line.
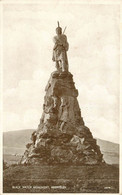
38,178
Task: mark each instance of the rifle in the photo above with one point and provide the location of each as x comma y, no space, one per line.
64,30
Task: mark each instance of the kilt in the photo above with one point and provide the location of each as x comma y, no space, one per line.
59,54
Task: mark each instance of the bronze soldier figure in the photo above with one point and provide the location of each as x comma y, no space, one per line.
60,49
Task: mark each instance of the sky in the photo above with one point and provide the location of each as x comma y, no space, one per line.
93,36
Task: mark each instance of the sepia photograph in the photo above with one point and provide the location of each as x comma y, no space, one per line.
60,78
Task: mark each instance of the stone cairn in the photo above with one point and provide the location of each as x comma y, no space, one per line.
62,137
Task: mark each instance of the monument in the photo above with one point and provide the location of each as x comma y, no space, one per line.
61,136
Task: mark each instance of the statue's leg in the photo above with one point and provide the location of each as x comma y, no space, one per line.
60,66
64,66
64,62
57,65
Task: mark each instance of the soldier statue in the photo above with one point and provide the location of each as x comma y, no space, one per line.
60,49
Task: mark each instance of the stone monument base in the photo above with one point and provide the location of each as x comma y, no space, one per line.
62,137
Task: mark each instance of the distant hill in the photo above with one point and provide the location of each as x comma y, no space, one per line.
14,142
110,151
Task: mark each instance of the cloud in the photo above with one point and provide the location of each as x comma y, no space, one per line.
11,120
25,101
28,94
105,129
28,120
31,118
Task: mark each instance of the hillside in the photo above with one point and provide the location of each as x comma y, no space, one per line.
110,151
15,143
